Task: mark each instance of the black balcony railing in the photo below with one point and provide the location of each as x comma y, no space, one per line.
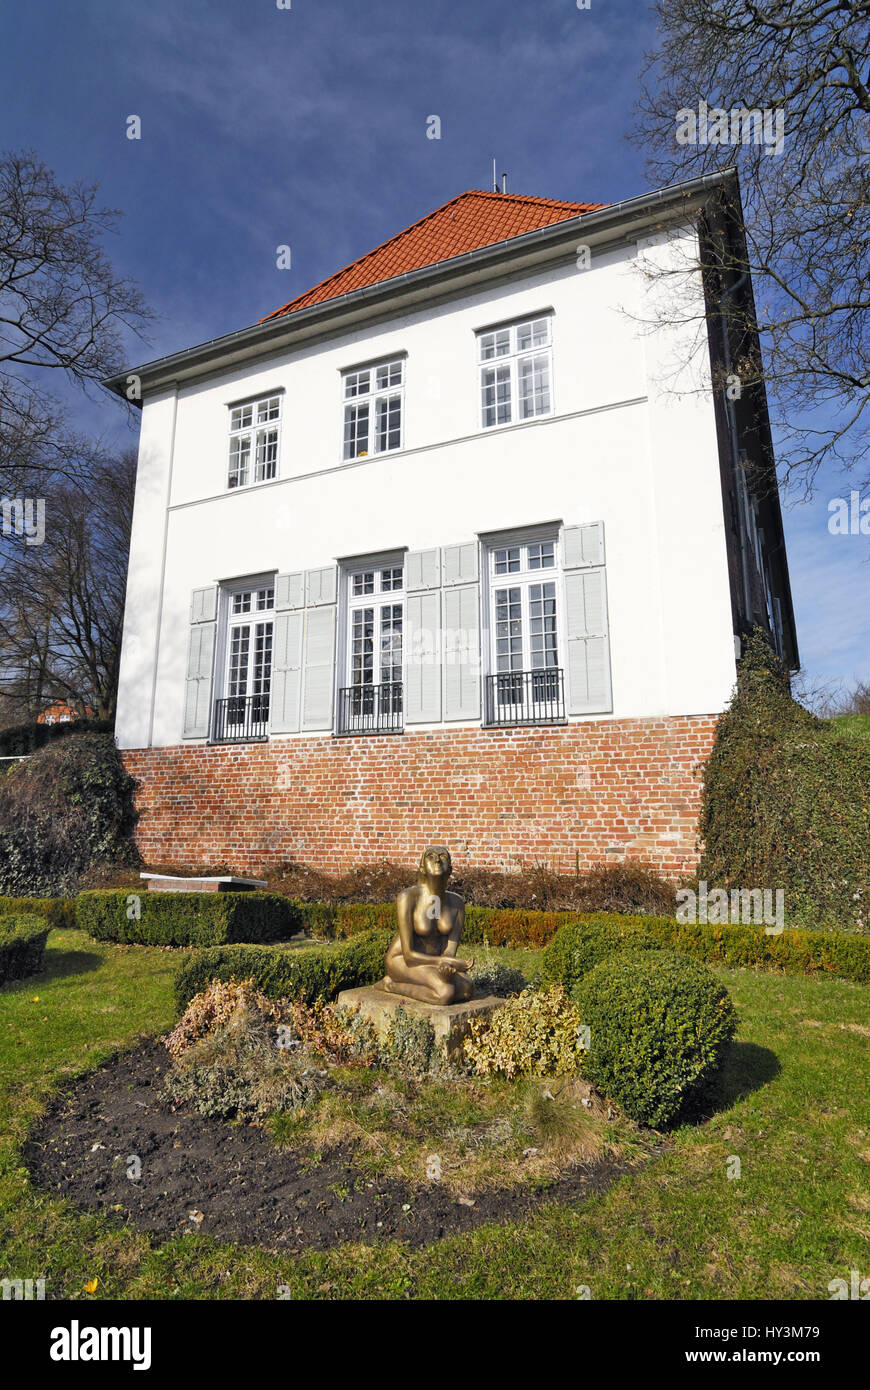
525,697
241,719
370,709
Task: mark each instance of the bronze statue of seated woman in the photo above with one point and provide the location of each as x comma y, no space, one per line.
422,962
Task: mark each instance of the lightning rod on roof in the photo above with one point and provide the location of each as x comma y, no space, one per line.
494,177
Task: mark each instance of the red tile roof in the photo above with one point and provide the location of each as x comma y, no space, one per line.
468,222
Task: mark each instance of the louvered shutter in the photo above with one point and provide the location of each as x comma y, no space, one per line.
461,651
318,669
200,662
588,655
422,703
286,690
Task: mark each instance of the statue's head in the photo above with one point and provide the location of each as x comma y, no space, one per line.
435,862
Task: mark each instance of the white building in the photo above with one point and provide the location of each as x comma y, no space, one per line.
469,494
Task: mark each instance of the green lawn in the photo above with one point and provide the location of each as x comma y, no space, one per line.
794,1107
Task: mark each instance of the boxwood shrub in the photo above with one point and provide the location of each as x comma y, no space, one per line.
186,919
309,973
22,943
58,912
659,1024
799,951
578,947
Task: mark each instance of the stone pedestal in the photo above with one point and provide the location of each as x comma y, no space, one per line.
449,1021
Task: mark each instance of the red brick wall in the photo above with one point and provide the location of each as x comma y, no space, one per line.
495,797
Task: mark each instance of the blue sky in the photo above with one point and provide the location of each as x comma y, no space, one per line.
307,127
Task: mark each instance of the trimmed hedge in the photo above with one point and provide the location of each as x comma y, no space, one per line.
58,912
796,951
579,946
186,919
658,1025
22,943
308,973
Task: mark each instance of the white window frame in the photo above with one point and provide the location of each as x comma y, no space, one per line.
250,421
350,602
523,578
227,620
499,351
359,386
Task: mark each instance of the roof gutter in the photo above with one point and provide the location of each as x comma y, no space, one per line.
266,336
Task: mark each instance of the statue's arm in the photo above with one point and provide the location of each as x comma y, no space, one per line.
451,945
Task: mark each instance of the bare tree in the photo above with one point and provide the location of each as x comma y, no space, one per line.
62,602
806,196
62,309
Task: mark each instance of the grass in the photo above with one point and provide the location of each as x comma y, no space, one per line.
792,1104
853,725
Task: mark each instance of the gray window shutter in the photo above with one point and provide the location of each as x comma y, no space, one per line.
321,585
198,685
583,546
422,701
286,690
318,672
588,644
422,570
289,591
460,564
461,652
203,604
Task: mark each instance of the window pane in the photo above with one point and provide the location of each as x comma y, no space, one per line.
242,602
534,334
389,374
357,384
496,344
269,409
356,431
534,386
392,578
388,431
507,560
542,555
362,646
508,630
542,625
237,681
241,418
262,665
496,395
391,642
240,456
267,455
364,583
265,599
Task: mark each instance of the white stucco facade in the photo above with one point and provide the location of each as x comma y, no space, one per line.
622,447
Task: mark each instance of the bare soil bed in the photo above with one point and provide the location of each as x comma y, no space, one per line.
231,1182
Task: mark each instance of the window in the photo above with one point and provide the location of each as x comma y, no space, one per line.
516,368
243,712
373,398
254,435
371,701
526,684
